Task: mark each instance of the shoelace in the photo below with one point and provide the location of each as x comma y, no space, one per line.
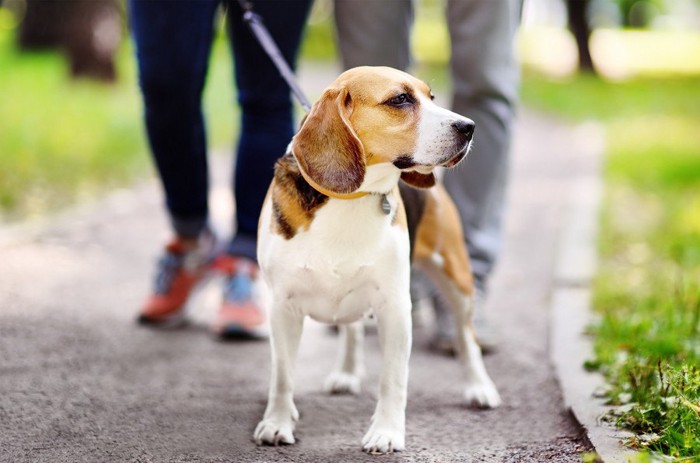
168,266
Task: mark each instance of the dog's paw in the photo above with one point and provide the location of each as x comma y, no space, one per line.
340,382
482,395
380,439
272,431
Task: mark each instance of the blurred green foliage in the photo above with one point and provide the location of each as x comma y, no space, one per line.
59,135
62,139
319,40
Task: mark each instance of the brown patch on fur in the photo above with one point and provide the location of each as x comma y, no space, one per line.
413,201
440,230
294,201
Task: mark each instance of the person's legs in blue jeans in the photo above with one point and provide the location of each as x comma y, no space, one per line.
267,126
267,123
173,41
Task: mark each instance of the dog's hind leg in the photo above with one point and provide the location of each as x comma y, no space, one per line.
347,375
479,390
440,252
277,425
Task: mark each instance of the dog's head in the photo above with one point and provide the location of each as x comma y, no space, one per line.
378,116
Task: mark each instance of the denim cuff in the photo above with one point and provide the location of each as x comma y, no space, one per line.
244,245
190,227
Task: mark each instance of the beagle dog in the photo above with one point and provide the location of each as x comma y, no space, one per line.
337,232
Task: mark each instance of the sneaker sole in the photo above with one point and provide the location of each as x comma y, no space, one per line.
238,332
174,321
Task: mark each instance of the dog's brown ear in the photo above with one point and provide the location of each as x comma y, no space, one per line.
327,148
418,180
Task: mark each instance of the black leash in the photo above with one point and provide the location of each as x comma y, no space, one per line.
261,33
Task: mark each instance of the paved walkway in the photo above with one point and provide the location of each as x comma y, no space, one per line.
80,381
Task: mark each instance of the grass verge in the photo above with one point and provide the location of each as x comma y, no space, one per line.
647,292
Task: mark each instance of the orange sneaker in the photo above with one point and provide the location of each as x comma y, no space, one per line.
178,271
240,315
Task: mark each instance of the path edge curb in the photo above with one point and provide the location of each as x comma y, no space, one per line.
571,312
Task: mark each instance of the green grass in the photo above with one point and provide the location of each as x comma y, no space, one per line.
648,288
60,135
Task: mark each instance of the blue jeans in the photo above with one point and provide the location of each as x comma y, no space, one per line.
173,42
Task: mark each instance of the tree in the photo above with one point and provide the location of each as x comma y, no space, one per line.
578,23
88,31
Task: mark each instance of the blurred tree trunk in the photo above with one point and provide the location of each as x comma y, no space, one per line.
578,23
43,24
88,31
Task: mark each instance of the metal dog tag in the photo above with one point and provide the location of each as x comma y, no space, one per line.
386,206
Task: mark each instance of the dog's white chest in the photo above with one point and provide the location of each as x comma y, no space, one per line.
332,295
351,260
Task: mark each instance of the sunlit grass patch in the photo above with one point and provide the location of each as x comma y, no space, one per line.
622,53
648,343
656,150
617,53
648,291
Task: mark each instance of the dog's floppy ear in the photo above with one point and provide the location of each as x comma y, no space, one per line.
418,180
327,148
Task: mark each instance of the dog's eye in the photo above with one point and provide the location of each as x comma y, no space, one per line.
400,100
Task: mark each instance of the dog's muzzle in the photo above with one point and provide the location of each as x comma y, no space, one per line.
463,139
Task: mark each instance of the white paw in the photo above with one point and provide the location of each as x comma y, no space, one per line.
274,431
340,382
482,395
383,439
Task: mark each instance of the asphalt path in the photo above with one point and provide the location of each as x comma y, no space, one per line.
80,381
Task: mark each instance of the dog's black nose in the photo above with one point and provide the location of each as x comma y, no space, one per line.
464,126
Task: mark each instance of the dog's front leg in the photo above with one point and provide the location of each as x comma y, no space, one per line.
277,426
388,429
347,375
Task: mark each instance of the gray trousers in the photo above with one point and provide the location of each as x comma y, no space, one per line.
485,80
